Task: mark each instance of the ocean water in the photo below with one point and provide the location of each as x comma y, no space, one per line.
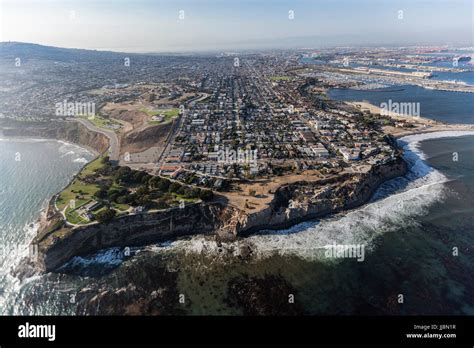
410,231
31,171
449,107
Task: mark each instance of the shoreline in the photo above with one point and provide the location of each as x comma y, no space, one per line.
426,125
40,221
292,223
298,240
224,222
259,221
39,139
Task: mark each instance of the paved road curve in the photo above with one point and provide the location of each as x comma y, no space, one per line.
114,148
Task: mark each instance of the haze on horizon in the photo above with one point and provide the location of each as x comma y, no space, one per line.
204,25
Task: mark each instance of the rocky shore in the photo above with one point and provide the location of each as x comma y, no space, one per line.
292,204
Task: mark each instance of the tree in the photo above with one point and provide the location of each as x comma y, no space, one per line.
181,190
174,187
154,181
123,174
142,190
206,195
145,178
159,183
102,193
144,200
137,176
192,192
105,215
123,199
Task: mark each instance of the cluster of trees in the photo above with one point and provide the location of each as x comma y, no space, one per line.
370,121
280,170
105,215
149,191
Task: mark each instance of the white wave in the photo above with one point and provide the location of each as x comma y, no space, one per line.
66,148
398,204
404,199
18,249
69,153
81,160
19,139
110,257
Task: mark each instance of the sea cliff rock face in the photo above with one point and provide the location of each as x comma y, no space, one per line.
292,203
132,230
297,202
69,131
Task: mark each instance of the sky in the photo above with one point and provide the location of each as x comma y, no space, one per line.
202,25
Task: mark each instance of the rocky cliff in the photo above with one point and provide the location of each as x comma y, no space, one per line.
292,203
58,246
69,131
297,202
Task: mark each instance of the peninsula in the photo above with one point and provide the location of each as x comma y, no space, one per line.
229,147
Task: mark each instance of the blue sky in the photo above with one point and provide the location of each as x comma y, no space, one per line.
155,26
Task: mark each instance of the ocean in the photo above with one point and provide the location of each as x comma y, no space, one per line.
409,230
449,107
417,233
31,171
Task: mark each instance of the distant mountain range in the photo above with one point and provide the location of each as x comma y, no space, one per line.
11,50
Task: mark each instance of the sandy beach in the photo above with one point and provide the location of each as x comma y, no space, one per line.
421,124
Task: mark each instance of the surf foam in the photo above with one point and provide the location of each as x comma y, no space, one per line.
397,203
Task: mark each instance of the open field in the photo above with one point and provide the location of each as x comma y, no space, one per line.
78,190
102,122
168,115
264,190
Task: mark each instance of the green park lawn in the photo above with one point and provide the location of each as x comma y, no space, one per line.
79,190
82,192
101,122
169,115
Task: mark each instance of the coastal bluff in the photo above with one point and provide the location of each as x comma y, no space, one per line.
68,131
292,203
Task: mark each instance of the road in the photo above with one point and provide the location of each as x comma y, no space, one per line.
177,126
114,145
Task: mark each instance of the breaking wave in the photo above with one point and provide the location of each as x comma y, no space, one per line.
396,204
94,265
69,153
30,188
81,160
